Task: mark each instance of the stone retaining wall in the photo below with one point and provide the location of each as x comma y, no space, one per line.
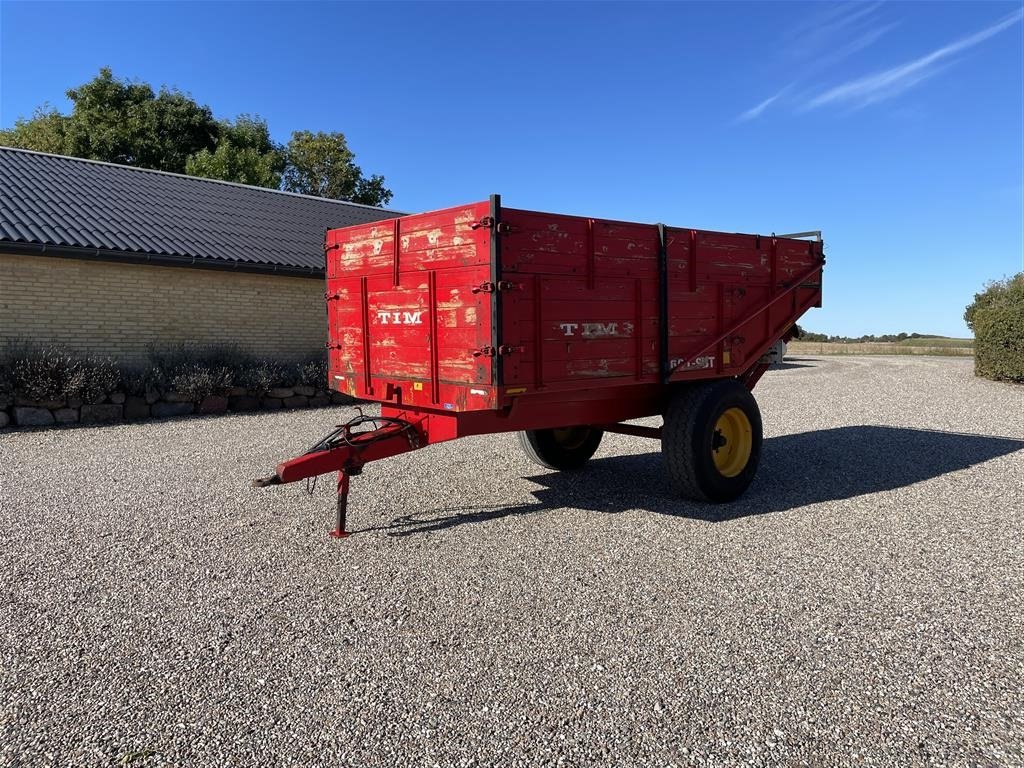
120,407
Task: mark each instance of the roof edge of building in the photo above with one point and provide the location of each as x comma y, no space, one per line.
201,178
154,260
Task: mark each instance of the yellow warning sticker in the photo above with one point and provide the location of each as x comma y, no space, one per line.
417,385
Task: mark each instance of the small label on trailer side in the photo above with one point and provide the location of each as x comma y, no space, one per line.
700,364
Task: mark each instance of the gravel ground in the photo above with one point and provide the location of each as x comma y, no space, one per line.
862,604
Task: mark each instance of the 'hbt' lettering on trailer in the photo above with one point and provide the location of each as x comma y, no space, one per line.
385,317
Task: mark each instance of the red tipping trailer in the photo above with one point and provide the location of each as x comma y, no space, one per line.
480,319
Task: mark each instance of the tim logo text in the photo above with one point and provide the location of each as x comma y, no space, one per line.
385,317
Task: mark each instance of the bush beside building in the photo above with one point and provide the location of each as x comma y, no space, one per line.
997,318
45,386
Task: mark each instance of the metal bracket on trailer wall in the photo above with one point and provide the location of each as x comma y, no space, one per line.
497,372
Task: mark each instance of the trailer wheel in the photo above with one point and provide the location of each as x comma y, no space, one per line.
712,440
568,448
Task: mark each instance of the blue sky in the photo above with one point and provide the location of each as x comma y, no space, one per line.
898,129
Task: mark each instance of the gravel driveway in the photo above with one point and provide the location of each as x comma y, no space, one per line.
862,604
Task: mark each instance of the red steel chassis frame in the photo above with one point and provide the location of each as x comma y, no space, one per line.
407,429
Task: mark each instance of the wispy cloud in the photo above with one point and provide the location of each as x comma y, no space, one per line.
820,29
856,45
757,109
819,39
892,82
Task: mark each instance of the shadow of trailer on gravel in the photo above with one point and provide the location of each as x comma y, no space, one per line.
795,471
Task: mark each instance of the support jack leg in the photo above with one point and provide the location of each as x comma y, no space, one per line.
339,532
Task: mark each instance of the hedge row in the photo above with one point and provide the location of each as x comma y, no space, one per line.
997,318
50,373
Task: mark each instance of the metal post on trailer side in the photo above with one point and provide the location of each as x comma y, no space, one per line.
664,370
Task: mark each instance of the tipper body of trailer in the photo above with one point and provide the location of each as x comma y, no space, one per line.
480,319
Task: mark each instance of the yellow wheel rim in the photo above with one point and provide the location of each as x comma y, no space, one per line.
732,442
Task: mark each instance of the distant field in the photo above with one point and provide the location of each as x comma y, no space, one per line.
938,341
923,346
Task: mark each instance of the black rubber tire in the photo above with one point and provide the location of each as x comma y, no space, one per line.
544,447
688,438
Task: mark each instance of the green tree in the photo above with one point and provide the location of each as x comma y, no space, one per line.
119,121
45,131
996,316
123,122
244,153
321,164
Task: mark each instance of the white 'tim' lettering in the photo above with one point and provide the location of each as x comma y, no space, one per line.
384,317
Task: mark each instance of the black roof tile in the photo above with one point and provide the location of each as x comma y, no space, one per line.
52,200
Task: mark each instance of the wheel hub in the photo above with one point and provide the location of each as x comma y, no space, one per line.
732,442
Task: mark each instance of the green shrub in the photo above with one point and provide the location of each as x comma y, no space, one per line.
260,376
140,380
997,318
194,371
50,372
91,379
312,373
37,373
196,382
